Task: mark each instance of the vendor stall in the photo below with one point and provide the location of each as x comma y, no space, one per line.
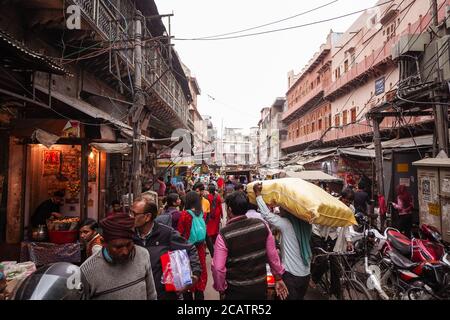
318,177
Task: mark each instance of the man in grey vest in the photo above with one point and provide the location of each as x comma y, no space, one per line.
241,252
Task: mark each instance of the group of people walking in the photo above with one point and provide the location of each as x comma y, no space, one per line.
125,261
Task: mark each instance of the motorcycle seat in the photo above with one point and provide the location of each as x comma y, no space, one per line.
399,242
401,261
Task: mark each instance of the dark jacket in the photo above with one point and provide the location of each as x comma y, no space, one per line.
44,212
165,219
247,255
160,240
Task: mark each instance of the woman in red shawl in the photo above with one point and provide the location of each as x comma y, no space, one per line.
404,205
193,203
212,227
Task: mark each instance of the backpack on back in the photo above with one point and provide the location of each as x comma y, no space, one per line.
198,228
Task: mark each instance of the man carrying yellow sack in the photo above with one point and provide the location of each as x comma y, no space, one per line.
337,239
295,246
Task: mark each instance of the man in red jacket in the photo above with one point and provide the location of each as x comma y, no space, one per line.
213,222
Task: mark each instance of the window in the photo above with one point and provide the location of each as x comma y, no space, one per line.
344,117
320,124
337,120
353,115
345,65
337,73
313,127
329,121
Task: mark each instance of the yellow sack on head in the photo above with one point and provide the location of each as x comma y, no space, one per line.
306,201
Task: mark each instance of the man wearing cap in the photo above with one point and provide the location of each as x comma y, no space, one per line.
121,270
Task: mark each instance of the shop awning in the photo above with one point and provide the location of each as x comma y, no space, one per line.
319,151
405,143
305,160
440,161
124,148
363,153
294,168
315,155
15,54
312,175
85,107
270,172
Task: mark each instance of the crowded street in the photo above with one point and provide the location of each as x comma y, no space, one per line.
224,151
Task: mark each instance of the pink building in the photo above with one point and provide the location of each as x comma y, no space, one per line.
351,74
308,114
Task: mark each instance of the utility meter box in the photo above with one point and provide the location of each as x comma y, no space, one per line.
433,176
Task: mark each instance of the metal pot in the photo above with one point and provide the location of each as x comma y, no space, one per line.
39,233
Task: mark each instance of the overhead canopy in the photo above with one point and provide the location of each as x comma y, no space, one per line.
319,151
420,141
364,153
294,168
270,172
85,107
312,175
124,148
16,54
440,161
96,113
305,160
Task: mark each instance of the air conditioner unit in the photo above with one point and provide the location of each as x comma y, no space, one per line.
409,43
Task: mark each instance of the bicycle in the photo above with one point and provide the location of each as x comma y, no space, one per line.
349,287
367,263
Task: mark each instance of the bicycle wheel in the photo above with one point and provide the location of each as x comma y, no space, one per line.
352,289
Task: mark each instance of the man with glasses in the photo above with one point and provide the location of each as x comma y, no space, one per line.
158,239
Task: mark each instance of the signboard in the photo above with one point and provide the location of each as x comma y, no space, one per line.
164,163
402,167
405,181
72,129
434,209
52,161
379,86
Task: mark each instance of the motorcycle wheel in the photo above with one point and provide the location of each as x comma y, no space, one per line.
389,283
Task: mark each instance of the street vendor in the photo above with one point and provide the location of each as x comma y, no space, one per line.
48,208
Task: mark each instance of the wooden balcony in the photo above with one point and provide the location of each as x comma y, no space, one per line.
115,24
308,100
302,139
368,67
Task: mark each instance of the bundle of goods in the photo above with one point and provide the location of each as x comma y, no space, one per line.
176,270
306,201
16,271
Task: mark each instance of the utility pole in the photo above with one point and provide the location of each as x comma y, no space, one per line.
138,107
440,111
378,154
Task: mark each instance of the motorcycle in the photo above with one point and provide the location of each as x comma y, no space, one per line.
414,269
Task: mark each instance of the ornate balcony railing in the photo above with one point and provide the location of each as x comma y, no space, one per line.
113,19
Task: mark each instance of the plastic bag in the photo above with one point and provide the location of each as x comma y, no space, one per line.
306,201
176,270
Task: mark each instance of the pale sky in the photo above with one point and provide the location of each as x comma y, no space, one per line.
247,74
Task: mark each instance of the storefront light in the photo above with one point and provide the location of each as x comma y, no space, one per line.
91,155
